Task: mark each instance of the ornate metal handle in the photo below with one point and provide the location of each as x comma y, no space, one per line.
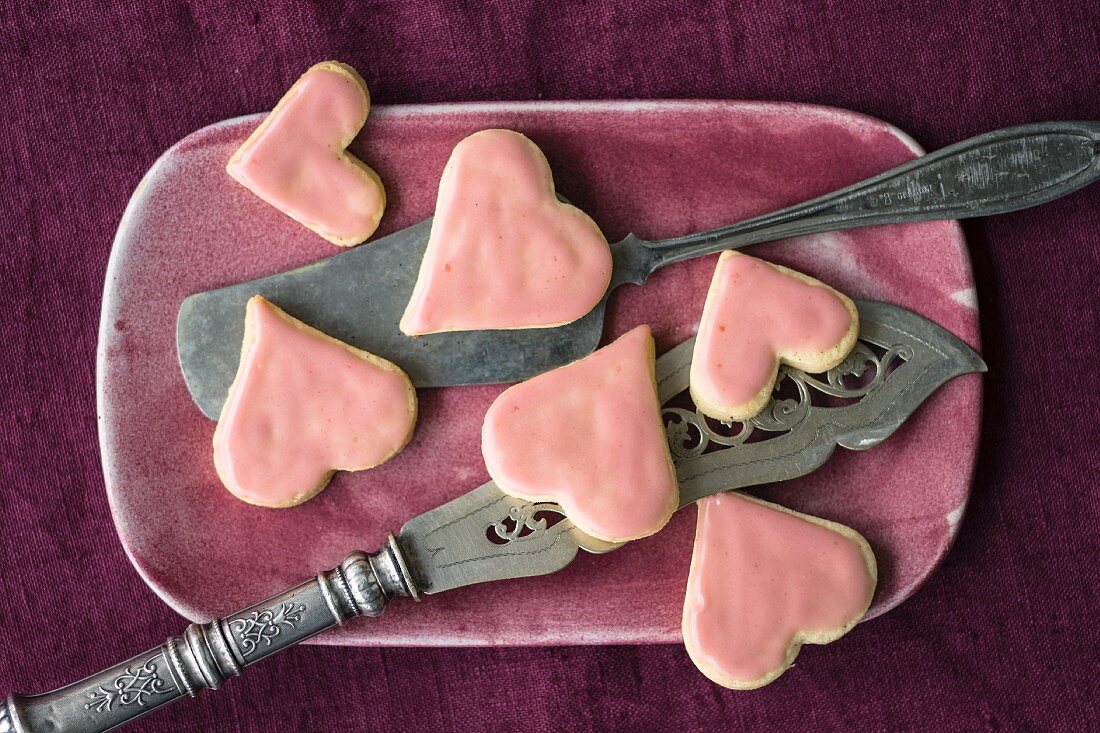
990,174
206,655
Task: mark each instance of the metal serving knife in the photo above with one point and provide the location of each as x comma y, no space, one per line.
990,174
484,535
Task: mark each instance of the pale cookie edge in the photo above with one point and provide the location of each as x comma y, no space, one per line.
674,497
813,363
337,67
384,364
800,638
421,281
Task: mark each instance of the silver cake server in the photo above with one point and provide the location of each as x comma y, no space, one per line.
486,535
359,296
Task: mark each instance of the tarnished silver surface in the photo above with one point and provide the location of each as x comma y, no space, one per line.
359,296
206,655
873,392
486,535
899,360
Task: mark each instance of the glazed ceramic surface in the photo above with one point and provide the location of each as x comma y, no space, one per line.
658,169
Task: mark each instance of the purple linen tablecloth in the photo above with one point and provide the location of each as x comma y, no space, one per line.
1004,636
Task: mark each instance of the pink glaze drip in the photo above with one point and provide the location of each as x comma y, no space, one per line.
588,436
296,160
503,251
303,405
763,578
755,314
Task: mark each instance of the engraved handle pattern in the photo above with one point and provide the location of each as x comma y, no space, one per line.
990,174
206,655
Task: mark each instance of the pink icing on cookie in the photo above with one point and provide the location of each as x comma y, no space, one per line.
303,405
589,436
503,251
297,161
763,581
756,315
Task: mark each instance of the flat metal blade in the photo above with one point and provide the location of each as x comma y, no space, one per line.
458,543
901,358
358,297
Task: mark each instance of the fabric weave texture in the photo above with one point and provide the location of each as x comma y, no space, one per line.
1002,638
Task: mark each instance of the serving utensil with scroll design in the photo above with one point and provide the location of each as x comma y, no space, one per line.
990,174
486,535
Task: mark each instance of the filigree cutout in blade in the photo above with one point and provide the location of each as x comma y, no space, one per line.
449,546
901,359
524,521
692,434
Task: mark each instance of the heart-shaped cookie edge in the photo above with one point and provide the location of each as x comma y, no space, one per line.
248,342
813,363
799,638
423,274
674,497
348,71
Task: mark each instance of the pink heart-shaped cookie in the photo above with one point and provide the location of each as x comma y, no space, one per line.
589,436
764,580
297,159
503,251
757,315
304,405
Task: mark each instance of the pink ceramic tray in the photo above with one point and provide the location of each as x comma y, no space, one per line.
658,169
